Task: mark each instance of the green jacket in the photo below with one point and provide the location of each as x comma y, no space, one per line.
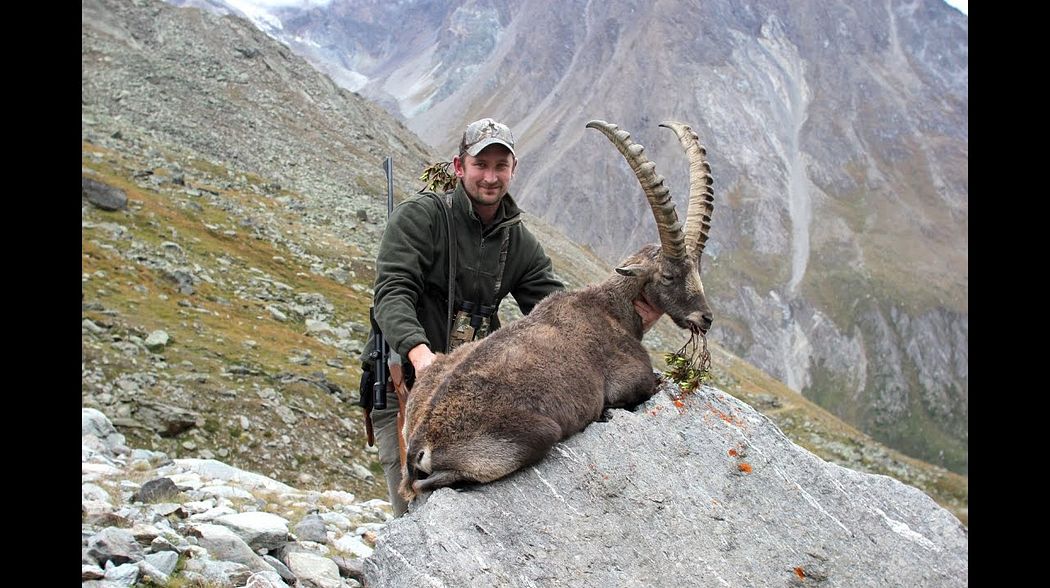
411,286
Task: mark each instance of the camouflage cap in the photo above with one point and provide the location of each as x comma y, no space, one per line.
482,133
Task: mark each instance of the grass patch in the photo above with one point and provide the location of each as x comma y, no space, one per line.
225,321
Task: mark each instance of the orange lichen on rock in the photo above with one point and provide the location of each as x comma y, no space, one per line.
729,418
800,573
744,467
732,453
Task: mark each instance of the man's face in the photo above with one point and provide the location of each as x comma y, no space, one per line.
486,177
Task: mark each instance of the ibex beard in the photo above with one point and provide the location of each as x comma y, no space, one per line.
499,404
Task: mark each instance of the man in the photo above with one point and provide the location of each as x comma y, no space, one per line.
411,288
495,256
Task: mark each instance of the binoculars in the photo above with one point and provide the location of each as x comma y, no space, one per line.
471,323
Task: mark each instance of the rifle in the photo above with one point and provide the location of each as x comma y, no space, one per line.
382,358
375,382
386,373
390,359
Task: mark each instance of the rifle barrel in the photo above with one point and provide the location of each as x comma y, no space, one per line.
379,388
388,167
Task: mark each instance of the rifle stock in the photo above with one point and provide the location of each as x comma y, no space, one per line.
397,382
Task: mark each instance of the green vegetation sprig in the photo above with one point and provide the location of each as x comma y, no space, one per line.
437,178
690,366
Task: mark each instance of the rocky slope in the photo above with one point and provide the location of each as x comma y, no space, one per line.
149,520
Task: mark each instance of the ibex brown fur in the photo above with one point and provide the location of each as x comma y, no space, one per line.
493,406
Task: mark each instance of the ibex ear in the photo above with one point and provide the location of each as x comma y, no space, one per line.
634,270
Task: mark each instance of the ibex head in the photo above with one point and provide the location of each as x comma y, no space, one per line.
672,269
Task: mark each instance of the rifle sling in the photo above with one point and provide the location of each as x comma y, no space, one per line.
445,204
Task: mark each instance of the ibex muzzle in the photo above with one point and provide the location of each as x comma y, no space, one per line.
501,403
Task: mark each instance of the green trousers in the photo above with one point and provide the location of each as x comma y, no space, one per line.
384,425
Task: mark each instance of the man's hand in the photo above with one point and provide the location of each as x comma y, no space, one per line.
421,356
649,313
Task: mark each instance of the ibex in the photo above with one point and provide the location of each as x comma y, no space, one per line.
498,404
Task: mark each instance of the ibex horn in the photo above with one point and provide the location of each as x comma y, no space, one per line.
701,194
672,240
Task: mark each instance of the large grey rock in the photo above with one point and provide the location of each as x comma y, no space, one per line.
211,469
702,494
114,545
94,493
123,575
157,340
166,419
94,424
312,528
219,573
164,561
155,575
156,490
102,195
315,571
224,545
260,530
